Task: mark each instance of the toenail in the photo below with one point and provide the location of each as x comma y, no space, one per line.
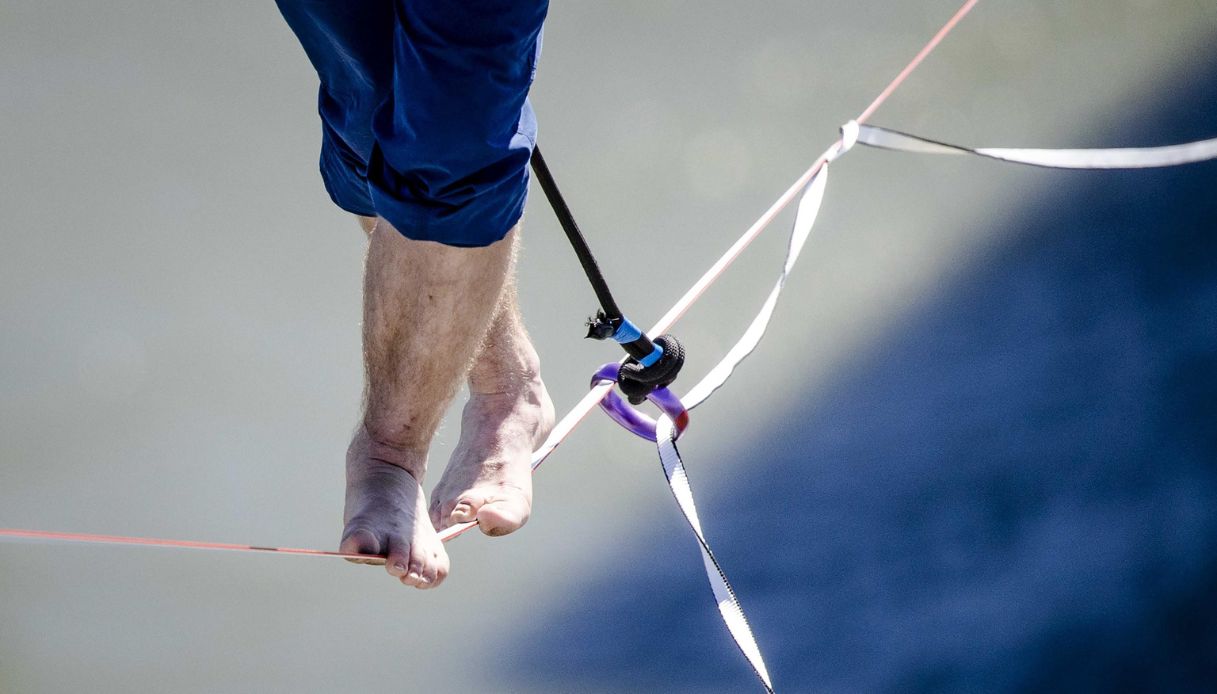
413,576
399,566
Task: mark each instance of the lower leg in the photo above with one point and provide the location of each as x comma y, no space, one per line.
427,308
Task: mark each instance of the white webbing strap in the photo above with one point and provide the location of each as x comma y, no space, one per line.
724,595
809,207
1122,158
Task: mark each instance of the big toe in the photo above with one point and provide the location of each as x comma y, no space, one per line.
496,514
359,540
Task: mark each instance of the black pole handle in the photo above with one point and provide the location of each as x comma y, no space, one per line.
609,320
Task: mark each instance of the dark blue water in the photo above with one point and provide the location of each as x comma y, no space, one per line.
1016,490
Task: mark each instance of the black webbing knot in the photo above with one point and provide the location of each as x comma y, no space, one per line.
637,381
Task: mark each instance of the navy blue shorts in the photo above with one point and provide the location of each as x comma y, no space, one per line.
424,109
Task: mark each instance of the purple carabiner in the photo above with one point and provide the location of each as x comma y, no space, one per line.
634,421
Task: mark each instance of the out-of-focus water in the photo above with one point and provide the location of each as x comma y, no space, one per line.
1015,489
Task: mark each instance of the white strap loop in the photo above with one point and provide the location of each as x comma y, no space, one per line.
849,138
849,135
1118,158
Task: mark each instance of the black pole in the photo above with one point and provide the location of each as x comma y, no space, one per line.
611,314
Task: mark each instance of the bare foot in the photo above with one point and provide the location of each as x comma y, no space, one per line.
386,514
489,476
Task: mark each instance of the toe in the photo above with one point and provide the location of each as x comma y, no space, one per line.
436,568
442,514
397,563
466,507
439,573
428,564
428,575
359,540
415,576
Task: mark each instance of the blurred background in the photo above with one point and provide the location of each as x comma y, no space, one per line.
977,450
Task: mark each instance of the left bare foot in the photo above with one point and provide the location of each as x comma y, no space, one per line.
489,476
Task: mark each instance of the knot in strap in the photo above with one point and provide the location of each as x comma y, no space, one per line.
849,137
638,380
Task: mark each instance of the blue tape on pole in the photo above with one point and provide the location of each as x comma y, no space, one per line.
627,332
652,357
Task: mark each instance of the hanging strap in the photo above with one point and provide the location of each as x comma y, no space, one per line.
664,432
728,604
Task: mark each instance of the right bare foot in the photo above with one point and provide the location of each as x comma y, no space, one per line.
489,478
386,513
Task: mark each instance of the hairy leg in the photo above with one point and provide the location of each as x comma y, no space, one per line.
367,224
508,415
427,308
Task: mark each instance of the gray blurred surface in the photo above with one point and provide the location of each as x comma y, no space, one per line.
179,301
1013,489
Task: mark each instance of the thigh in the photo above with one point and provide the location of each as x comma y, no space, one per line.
455,133
467,63
350,44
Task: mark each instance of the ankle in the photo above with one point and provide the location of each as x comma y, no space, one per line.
373,443
505,379
505,373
